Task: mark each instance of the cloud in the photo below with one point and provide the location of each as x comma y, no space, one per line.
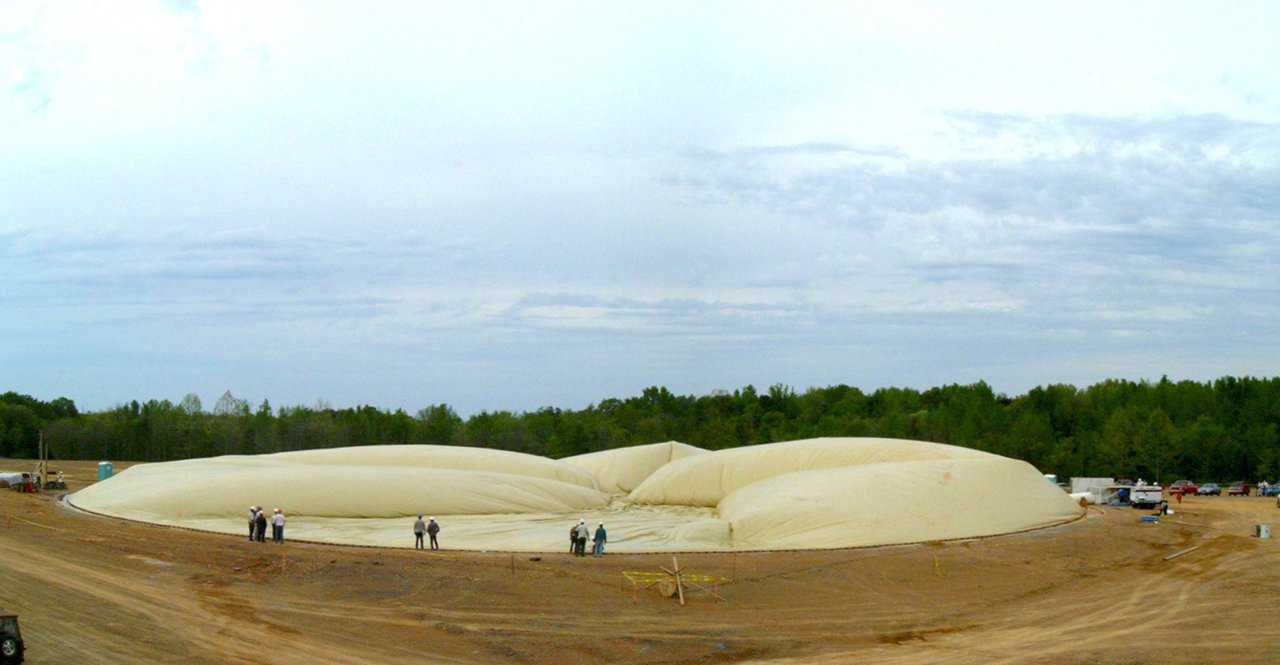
501,209
187,252
29,87
687,318
1181,189
1088,170
811,149
1034,218
185,6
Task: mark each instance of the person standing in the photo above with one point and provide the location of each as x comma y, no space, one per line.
419,530
432,530
597,546
253,522
573,538
277,526
584,532
260,522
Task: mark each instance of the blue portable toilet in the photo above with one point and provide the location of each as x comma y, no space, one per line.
105,469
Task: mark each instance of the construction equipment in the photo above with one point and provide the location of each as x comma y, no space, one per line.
41,472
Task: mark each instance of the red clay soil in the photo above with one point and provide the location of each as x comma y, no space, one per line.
97,590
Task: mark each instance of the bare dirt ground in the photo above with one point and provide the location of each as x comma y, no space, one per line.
97,590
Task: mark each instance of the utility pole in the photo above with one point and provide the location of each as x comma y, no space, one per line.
42,466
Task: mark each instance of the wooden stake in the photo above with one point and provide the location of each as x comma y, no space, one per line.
1178,554
679,582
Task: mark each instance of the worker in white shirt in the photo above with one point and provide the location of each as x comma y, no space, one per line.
277,526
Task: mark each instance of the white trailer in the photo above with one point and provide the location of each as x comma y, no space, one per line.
1093,490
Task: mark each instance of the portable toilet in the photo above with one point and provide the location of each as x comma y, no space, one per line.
105,469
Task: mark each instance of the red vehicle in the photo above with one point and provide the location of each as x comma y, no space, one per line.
1184,487
1238,489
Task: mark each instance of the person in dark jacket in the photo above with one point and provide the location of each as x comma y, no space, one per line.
432,530
573,539
419,530
597,544
261,523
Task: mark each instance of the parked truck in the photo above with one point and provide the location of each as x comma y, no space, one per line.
11,647
1146,496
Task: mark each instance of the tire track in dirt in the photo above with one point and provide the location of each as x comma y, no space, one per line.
214,632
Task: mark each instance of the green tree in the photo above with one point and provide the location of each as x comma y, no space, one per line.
440,425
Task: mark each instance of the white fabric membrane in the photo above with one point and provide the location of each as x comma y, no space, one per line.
809,494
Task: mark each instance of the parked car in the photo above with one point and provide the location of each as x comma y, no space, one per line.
1209,489
1272,490
1183,487
1238,489
11,647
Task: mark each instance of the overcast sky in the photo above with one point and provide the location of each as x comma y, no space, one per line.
513,205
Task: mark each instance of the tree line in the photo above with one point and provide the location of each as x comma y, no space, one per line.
1226,429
